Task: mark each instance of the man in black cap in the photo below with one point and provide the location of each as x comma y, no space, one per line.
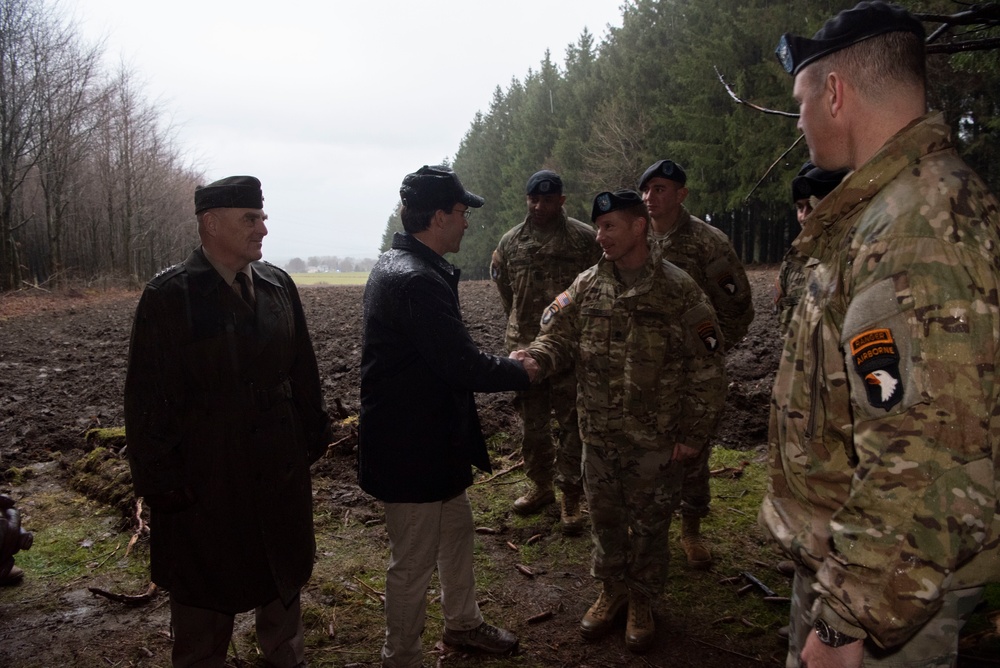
419,434
535,261
810,186
649,365
704,252
885,414
223,416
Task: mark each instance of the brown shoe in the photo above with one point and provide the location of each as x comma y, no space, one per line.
12,577
601,616
536,499
571,517
640,628
695,548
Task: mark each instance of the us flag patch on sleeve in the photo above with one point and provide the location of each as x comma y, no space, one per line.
561,301
876,360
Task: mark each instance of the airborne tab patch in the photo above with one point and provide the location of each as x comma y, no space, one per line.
876,359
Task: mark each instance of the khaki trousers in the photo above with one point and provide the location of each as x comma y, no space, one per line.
422,537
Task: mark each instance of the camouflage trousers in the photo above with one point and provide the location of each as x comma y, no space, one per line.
696,494
935,645
548,458
632,494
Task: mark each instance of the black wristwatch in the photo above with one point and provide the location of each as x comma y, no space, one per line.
830,636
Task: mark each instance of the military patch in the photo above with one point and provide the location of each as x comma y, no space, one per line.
728,284
561,301
708,335
495,266
604,203
876,359
544,186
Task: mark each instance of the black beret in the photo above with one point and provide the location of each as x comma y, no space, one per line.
607,202
866,19
667,169
815,182
436,187
545,182
232,192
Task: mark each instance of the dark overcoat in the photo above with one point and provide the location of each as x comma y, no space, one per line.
419,434
225,402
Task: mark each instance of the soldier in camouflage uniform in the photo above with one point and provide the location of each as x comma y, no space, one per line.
649,365
535,261
705,253
810,186
885,419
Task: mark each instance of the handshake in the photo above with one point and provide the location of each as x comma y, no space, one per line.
527,361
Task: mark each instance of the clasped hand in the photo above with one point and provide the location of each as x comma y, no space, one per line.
527,361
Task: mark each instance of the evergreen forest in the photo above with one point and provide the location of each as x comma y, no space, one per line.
653,88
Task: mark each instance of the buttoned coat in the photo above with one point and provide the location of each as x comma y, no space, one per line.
225,402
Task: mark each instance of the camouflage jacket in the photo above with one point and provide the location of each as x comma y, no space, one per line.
705,253
791,282
648,358
885,420
529,274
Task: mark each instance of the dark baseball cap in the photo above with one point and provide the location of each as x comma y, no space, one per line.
865,20
606,202
232,192
436,187
815,182
545,182
667,169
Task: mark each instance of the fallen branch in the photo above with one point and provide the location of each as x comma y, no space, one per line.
725,649
140,599
370,591
540,617
500,473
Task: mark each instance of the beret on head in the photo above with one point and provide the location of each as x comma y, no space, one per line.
232,192
436,187
865,20
667,169
545,182
607,202
815,182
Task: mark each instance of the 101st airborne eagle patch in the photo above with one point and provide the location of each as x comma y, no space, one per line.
876,359
708,335
561,301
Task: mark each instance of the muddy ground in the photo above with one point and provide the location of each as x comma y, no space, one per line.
62,370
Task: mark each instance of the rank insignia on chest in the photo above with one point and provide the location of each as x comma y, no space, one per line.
708,336
876,360
561,301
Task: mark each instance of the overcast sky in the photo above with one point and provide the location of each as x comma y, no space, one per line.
329,102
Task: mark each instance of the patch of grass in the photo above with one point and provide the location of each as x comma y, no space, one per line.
79,538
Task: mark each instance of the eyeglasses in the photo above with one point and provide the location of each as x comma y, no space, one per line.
467,213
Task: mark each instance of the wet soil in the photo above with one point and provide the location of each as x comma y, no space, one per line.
62,371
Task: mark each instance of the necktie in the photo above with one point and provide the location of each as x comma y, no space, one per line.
244,282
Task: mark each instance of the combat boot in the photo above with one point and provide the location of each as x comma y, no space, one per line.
571,516
695,548
639,629
601,616
537,498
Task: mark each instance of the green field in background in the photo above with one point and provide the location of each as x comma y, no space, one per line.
332,278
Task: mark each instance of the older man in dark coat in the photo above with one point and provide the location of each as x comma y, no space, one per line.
224,415
419,434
